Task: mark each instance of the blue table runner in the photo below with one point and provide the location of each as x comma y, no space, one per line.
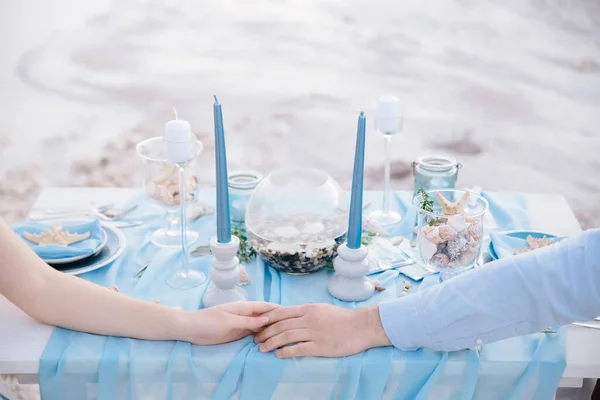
78,365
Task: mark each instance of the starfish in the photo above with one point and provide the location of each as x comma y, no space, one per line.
453,208
56,235
535,244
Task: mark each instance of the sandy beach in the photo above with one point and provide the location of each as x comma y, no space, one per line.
511,89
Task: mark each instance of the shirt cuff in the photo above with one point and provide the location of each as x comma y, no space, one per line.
401,324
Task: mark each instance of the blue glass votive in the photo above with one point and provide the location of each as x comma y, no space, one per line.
241,185
435,172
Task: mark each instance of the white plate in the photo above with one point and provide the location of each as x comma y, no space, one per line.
115,245
66,260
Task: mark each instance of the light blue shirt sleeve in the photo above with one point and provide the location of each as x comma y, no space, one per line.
515,296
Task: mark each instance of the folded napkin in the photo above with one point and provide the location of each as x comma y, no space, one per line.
55,251
505,244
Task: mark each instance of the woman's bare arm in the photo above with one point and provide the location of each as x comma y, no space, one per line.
67,301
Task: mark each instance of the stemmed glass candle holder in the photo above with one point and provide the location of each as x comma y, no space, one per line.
161,183
180,145
450,231
388,122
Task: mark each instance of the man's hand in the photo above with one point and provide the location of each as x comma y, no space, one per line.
226,322
321,330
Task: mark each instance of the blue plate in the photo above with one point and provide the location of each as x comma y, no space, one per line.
521,235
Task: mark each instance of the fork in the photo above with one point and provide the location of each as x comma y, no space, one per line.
108,215
583,324
65,210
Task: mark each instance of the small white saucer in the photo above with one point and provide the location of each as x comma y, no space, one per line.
66,260
115,245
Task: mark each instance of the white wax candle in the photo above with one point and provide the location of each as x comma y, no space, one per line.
388,118
179,141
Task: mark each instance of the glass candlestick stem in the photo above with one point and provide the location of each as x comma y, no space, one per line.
185,278
385,216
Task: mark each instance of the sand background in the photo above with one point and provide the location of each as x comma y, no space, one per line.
509,88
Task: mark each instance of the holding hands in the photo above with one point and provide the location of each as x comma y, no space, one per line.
317,329
226,322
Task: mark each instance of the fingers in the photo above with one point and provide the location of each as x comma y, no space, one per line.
249,323
297,350
281,313
250,307
285,338
277,328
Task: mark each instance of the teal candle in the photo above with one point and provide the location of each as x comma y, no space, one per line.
223,219
356,197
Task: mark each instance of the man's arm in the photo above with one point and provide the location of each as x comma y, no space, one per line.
510,297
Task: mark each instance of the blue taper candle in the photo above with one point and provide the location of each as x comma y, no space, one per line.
223,220
356,197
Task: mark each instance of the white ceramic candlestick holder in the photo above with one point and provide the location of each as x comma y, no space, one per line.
351,283
225,274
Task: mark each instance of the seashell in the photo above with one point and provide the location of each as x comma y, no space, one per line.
428,249
457,222
114,288
456,246
446,232
474,244
151,188
244,277
396,240
453,208
432,234
468,257
199,210
56,235
281,247
372,226
287,232
475,230
440,260
167,172
314,228
378,287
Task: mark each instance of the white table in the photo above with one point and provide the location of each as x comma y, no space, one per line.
22,340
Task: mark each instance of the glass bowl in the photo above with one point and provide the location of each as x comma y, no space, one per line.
450,244
161,184
296,218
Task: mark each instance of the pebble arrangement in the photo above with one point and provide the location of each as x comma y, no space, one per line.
297,244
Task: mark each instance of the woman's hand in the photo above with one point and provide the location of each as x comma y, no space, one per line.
226,322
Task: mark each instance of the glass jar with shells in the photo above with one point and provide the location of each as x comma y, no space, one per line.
450,229
296,218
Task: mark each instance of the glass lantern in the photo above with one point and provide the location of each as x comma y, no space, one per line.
435,172
241,186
